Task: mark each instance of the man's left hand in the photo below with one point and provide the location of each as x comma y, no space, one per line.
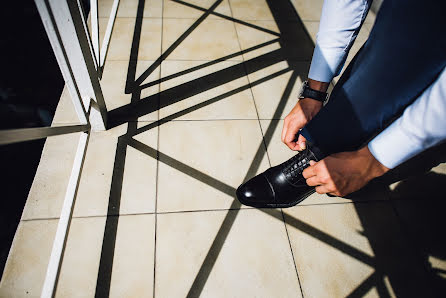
343,173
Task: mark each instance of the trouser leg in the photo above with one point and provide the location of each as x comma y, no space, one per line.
405,52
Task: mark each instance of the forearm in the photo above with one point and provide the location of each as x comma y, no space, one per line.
318,85
339,26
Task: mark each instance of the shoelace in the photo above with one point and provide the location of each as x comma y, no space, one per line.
297,164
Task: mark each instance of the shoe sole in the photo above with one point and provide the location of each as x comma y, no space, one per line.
294,203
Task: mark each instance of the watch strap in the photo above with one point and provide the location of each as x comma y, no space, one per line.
307,92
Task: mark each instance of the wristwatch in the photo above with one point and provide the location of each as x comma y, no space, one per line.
307,92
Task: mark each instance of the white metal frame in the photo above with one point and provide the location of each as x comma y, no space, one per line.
108,32
81,63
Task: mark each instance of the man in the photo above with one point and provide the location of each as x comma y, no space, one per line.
389,105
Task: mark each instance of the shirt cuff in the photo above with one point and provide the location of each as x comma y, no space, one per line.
326,64
393,146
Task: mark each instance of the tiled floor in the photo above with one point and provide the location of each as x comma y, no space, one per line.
196,100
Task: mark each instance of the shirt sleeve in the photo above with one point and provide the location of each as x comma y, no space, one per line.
422,125
339,26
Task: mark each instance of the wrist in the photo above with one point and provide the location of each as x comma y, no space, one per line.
309,106
375,168
317,85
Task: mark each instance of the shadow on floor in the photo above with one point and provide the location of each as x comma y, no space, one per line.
295,45
418,203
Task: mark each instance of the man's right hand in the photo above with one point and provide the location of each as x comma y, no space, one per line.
300,115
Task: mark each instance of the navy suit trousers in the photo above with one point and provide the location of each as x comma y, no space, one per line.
404,54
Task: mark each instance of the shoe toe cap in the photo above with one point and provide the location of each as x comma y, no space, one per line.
255,191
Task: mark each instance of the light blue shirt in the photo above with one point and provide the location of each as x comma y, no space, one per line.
423,123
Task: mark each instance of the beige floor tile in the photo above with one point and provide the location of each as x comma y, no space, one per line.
338,247
278,152
94,186
212,39
251,10
28,259
308,10
250,37
276,96
138,185
440,169
122,37
174,9
114,81
370,19
132,274
425,224
50,183
129,8
65,112
79,269
212,160
294,41
253,261
232,76
369,26
312,27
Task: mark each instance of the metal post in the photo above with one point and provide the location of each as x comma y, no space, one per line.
62,58
108,32
60,239
65,16
95,28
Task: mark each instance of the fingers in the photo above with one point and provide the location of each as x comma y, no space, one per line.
290,129
302,142
284,129
313,181
286,138
310,171
322,189
290,138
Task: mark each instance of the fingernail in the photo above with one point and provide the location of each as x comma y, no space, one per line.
303,145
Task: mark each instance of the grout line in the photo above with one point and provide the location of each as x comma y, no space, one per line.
157,156
38,219
197,120
222,119
153,18
205,210
218,18
212,210
207,60
250,89
292,253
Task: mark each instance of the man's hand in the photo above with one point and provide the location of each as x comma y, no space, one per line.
300,115
343,173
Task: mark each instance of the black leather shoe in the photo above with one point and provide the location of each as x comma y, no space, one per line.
280,186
